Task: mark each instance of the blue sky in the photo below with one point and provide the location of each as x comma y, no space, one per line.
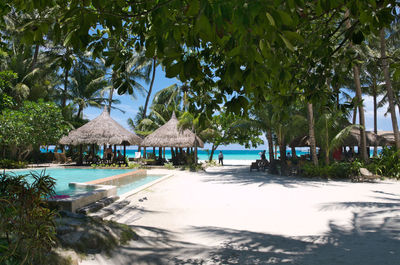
131,106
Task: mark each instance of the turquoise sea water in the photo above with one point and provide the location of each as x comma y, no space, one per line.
64,176
228,154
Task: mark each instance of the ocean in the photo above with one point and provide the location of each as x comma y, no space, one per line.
203,154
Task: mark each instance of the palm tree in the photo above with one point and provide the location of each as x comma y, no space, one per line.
165,102
87,81
389,87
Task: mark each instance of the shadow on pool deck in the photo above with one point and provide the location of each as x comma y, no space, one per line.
242,175
372,237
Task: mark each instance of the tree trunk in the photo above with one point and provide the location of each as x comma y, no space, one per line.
110,97
35,56
389,88
64,98
313,146
375,114
282,150
326,143
213,148
79,111
355,115
150,88
363,140
270,145
356,72
294,155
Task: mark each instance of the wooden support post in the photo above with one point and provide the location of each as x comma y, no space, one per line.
115,153
80,155
195,154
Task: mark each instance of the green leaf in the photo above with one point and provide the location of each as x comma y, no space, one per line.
286,18
270,19
358,37
193,8
204,27
68,38
287,43
172,70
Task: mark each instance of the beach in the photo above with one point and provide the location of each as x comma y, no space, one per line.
228,215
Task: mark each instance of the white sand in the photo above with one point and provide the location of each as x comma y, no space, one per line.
231,216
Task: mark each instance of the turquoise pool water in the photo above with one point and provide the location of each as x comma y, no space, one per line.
64,176
136,184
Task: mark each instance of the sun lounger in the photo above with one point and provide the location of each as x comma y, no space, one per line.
138,156
365,175
259,164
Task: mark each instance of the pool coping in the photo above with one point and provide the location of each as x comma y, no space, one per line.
141,188
106,179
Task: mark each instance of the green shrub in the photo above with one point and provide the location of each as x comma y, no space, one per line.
335,170
27,228
387,163
11,164
169,165
133,165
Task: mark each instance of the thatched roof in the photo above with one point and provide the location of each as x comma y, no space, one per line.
169,135
388,137
354,138
303,141
101,130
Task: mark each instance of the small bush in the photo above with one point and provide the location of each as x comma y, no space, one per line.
169,165
335,170
133,165
11,164
27,228
387,164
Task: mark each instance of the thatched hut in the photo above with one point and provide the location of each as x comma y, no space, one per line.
353,139
302,141
169,135
388,137
102,130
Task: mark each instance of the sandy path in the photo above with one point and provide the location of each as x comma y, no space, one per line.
231,216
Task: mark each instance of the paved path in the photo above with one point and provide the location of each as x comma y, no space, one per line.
231,216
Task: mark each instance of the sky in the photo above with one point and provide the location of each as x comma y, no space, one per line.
131,106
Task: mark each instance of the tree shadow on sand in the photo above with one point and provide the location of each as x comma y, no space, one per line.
371,237
241,175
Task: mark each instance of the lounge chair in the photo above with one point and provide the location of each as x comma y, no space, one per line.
259,164
138,156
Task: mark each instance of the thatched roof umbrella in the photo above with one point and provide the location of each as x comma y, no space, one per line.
388,137
101,131
353,139
302,141
169,135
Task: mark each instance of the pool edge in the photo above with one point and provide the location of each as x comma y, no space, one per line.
141,188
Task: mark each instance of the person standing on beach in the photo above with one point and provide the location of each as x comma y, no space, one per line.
220,158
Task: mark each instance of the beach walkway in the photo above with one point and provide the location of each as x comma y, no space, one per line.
228,215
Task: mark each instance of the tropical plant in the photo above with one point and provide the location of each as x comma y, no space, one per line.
387,163
27,228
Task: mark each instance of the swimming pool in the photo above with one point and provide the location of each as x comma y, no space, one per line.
64,176
140,181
